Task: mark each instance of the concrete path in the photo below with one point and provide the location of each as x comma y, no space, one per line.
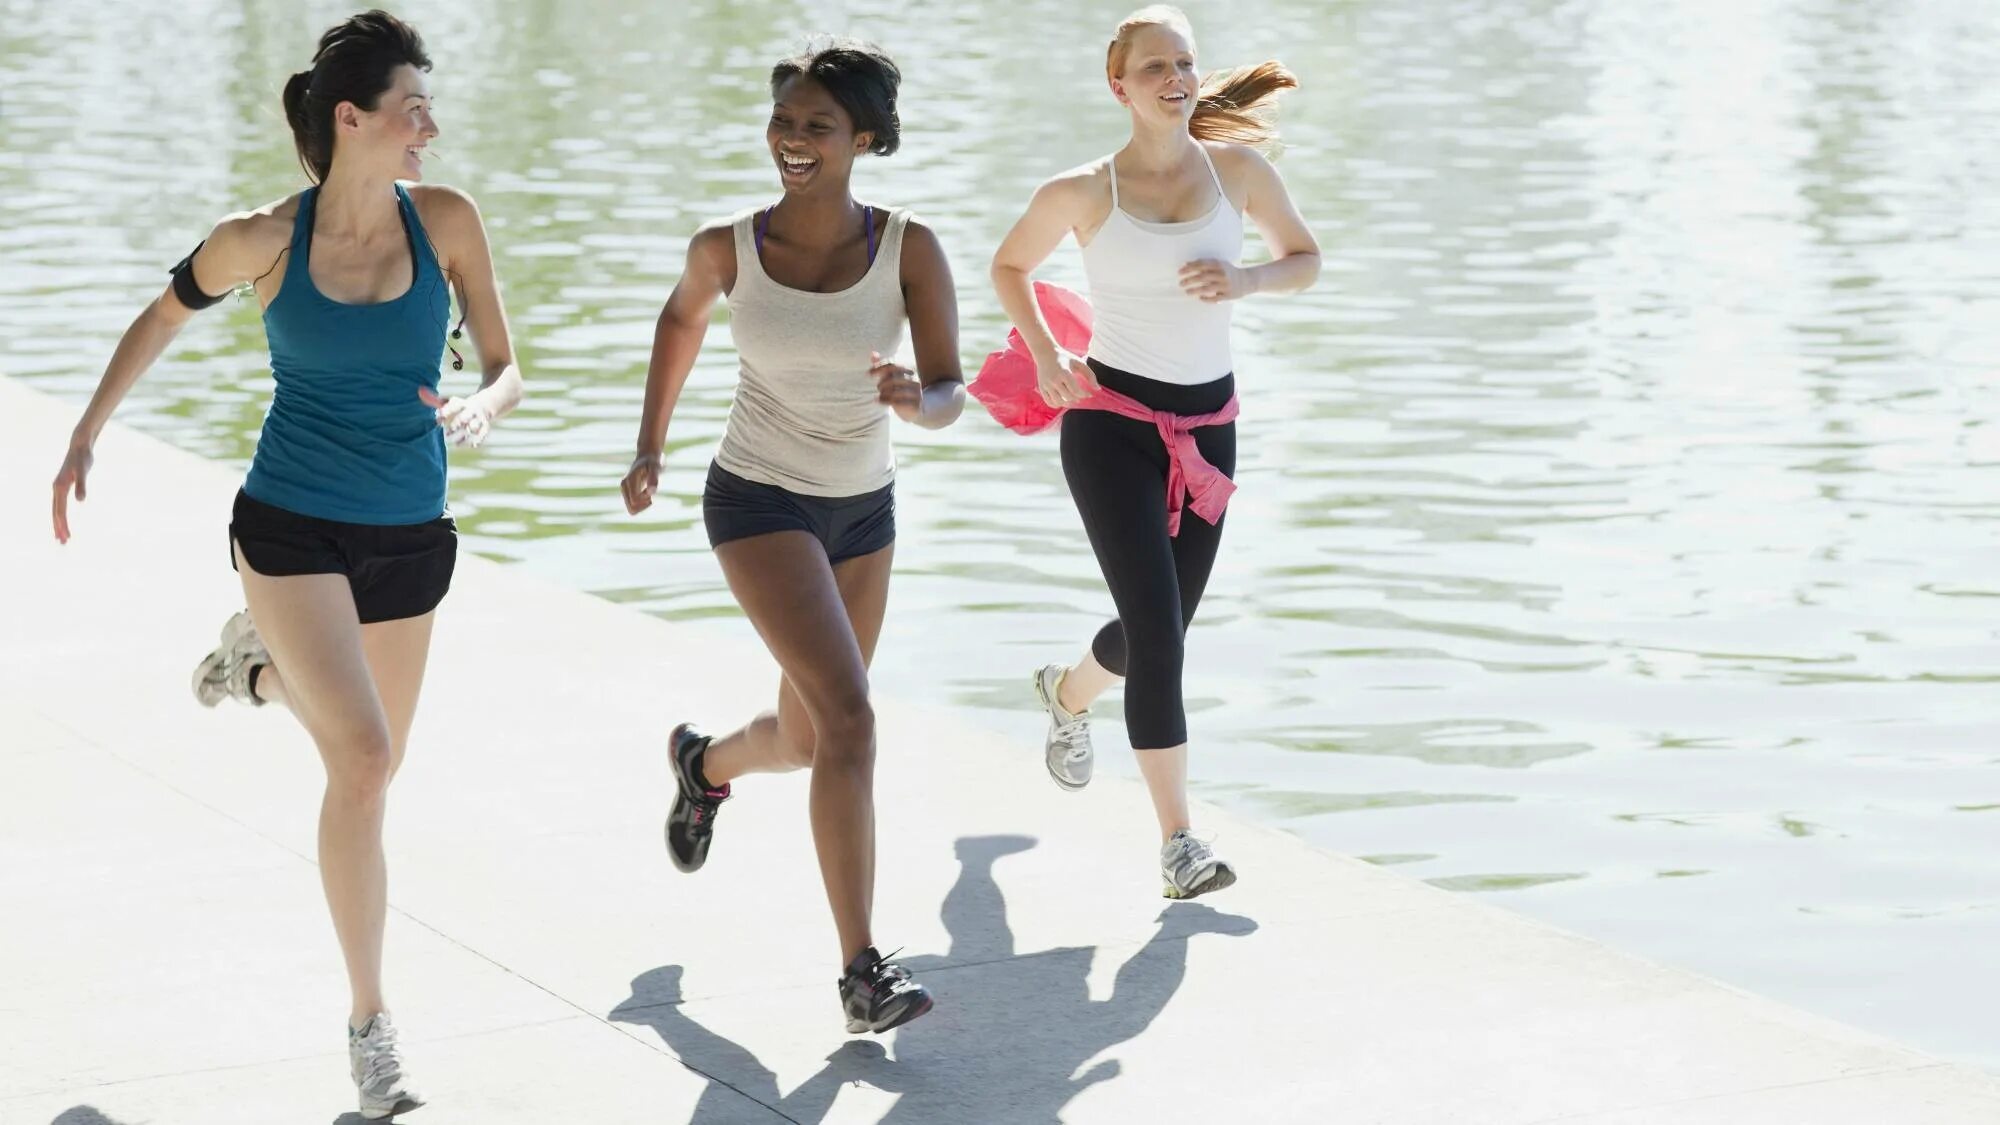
165,955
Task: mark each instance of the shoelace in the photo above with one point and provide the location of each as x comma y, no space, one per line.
1190,853
379,1063
886,979
706,805
1074,738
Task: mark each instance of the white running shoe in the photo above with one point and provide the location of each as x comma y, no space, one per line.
377,1068
1190,868
225,673
1067,750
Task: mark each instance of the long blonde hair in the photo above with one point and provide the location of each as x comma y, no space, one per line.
1238,104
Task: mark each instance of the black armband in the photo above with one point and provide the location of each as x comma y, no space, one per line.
185,288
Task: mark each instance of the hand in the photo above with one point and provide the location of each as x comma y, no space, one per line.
1211,281
1064,379
75,467
897,387
466,421
641,481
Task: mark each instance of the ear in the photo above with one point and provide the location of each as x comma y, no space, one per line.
346,115
863,142
1118,91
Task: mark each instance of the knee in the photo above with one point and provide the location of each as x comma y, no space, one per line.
1109,648
845,729
1154,648
359,763
796,746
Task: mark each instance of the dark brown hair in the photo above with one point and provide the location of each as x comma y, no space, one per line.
356,62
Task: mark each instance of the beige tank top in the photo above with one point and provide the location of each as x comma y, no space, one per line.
805,416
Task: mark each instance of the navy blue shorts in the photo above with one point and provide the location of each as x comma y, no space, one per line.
847,526
395,570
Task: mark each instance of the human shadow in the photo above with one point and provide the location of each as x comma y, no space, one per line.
83,1115
1008,1042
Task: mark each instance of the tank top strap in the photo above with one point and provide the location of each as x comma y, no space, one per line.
749,264
1213,174
422,253
302,232
892,235
1111,163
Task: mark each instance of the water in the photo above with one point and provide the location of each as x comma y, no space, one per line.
1618,514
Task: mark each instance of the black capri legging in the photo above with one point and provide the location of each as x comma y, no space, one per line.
1117,473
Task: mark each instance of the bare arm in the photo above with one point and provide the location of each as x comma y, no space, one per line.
1059,206
238,250
459,233
934,396
676,341
1294,263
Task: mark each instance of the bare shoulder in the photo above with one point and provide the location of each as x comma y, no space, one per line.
923,253
1083,183
715,241
443,206
261,228
920,235
1247,174
1237,163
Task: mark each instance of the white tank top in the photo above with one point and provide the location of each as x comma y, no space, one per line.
1142,321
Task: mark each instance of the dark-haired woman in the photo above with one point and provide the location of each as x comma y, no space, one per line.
799,504
339,532
1160,223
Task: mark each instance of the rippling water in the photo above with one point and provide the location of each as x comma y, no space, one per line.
1618,519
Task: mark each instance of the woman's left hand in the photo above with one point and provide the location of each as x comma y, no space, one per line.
466,421
897,387
1211,281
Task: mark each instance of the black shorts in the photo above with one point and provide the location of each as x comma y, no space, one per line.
847,526
395,570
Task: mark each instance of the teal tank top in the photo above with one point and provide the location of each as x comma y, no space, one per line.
346,437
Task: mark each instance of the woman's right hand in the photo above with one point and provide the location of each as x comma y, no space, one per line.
641,481
1064,378
75,467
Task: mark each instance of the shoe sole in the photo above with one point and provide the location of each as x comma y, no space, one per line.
403,1105
1042,693
1220,879
857,1027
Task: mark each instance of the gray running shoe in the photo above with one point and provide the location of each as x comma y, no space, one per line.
1067,750
1191,869
225,673
377,1068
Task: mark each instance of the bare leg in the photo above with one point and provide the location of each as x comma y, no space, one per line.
309,624
787,588
1083,683
1165,771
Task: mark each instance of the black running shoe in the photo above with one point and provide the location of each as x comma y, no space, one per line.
691,821
878,995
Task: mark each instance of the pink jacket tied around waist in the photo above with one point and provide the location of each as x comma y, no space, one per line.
1006,385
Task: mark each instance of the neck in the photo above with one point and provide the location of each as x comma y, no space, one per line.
819,218
1157,149
356,204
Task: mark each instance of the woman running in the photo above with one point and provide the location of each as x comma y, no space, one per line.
340,532
1160,224
800,502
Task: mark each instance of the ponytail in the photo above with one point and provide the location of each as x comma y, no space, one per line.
1240,105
